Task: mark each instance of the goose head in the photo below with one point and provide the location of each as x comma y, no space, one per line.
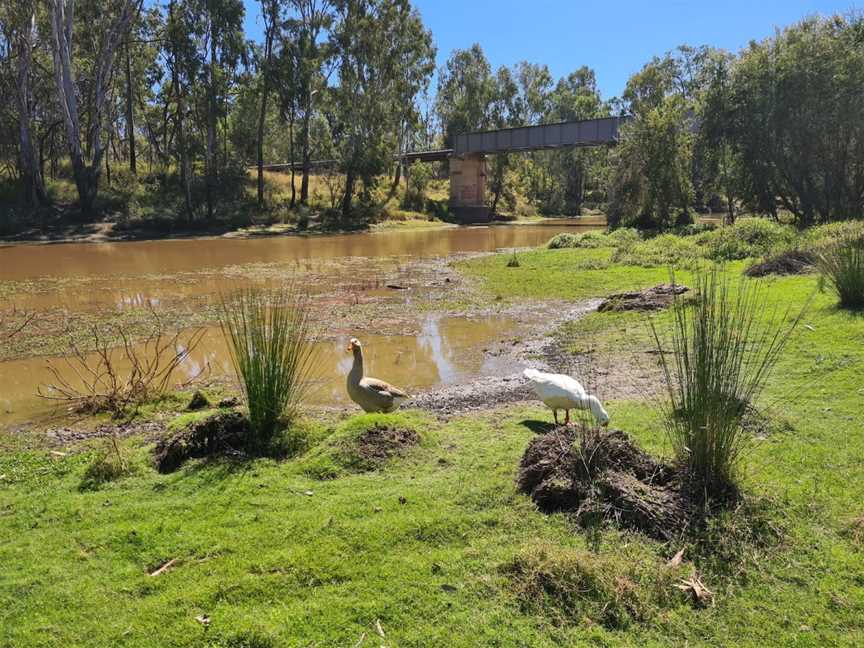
597,410
354,346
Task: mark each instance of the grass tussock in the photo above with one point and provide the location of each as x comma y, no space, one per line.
716,362
841,269
110,464
269,336
364,443
571,586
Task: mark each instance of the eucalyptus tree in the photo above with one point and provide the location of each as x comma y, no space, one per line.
466,89
651,177
86,145
376,40
19,28
270,13
798,119
311,48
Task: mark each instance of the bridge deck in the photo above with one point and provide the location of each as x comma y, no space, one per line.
588,132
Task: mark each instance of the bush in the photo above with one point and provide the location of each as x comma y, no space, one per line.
749,237
592,239
722,351
842,270
268,334
419,175
666,249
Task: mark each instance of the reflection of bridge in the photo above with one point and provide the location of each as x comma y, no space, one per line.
468,156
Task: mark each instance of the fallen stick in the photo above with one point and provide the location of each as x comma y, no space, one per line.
164,567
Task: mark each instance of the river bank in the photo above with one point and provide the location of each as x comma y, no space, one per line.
256,546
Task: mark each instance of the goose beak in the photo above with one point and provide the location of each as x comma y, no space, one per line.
350,347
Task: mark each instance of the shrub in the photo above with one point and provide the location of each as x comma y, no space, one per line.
592,239
842,270
419,175
119,374
749,237
269,340
666,249
721,353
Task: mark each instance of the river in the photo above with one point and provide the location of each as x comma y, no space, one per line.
67,280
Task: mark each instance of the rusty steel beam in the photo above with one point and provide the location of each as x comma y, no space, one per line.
587,132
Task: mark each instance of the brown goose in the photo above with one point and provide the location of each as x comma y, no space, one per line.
371,394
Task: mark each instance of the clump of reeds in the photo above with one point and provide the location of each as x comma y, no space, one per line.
716,361
269,335
842,270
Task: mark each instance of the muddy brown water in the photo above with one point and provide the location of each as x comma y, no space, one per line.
77,277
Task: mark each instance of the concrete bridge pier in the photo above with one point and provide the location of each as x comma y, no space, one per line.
468,188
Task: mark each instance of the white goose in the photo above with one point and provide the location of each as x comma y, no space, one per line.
558,391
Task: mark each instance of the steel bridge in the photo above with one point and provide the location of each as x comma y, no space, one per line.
468,156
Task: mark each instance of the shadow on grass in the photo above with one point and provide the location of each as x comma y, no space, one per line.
537,426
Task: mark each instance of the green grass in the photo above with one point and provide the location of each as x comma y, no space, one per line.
437,544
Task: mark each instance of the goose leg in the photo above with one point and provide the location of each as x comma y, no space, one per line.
566,417
555,415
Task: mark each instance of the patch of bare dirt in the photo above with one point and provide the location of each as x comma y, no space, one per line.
604,475
380,443
786,263
649,299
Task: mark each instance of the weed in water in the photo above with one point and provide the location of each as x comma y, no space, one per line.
269,336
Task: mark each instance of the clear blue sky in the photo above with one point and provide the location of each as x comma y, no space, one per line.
614,38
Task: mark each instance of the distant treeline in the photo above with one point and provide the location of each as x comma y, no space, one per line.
173,94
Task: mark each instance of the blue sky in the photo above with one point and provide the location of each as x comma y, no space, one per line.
614,38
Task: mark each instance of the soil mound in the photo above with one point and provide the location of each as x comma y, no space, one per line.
604,474
649,299
786,263
222,433
375,446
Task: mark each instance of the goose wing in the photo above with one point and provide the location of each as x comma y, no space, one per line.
383,388
556,390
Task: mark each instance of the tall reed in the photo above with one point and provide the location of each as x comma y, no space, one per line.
269,335
716,361
842,269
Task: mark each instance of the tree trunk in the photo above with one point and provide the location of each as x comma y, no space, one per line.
291,155
185,170
304,182
32,183
347,196
210,158
62,18
130,115
260,144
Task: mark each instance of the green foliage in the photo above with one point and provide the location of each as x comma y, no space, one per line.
720,355
747,238
419,176
663,250
794,116
268,335
109,464
842,269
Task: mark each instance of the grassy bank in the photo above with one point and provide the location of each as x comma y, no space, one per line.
435,547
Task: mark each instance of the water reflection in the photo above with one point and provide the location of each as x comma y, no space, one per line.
448,350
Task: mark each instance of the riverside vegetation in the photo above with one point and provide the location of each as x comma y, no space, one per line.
413,526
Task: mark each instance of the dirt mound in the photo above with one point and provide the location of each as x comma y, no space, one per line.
786,263
603,474
649,299
222,433
380,443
